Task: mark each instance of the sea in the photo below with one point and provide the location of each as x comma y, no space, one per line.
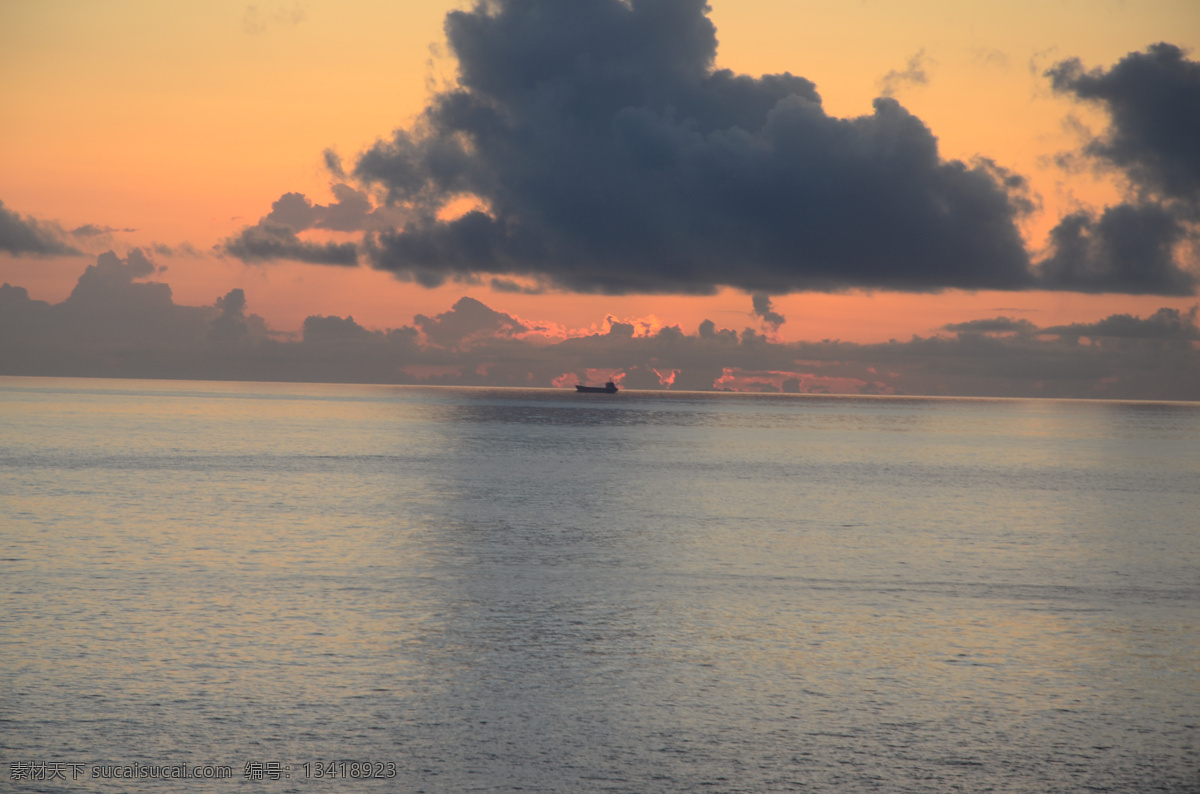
276,587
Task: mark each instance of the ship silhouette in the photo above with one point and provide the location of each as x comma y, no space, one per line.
608,388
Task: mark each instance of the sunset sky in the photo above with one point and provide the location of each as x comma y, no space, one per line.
628,181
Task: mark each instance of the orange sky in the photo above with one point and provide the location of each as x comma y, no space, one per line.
186,121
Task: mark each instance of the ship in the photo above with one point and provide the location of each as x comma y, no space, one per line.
608,388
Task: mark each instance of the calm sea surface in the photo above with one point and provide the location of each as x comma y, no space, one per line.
501,590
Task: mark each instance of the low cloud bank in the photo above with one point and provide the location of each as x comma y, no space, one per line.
118,323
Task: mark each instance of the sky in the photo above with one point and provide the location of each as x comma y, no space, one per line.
922,197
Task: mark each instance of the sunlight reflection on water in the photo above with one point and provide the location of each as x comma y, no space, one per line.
500,588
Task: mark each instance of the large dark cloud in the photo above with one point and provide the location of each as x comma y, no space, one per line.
29,236
1153,102
609,155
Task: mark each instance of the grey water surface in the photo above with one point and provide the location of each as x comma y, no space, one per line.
534,590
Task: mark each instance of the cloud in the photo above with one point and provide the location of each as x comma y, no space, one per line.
761,302
996,325
28,236
111,309
914,74
232,325
182,249
1129,248
1153,101
268,241
1166,323
351,212
91,230
257,19
608,155
990,56
319,329
117,323
275,236
467,321
535,287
